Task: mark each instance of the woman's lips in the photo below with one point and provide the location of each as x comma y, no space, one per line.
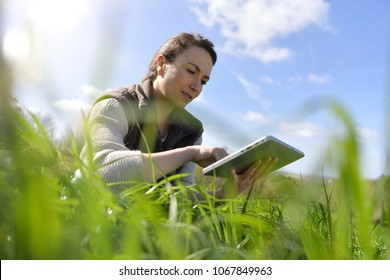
187,96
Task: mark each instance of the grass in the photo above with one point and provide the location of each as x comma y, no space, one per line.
45,214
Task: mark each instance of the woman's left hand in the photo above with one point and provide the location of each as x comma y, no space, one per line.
256,171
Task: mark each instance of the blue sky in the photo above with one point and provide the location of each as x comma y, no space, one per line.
274,58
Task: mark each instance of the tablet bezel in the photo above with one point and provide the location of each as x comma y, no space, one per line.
268,146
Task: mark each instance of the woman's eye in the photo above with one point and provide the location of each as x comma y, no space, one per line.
193,72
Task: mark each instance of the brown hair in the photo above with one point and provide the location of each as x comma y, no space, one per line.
175,46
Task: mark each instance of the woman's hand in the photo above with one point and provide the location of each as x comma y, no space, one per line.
159,164
243,181
205,156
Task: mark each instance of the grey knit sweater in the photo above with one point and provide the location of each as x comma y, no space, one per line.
115,162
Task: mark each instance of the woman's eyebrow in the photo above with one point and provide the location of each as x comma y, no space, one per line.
198,69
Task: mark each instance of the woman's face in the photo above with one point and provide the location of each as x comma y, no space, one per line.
181,81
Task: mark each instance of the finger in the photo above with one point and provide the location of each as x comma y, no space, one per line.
263,165
220,153
255,166
272,163
266,168
252,169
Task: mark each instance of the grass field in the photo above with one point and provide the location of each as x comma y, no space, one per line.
46,215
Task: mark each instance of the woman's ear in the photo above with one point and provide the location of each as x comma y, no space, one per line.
161,60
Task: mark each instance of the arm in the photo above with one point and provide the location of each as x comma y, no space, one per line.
158,164
107,126
189,168
116,163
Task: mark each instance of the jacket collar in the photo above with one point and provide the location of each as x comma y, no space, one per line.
144,92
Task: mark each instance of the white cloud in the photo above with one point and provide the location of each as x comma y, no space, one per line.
253,91
72,105
367,133
268,80
251,27
305,130
251,116
91,90
319,79
295,80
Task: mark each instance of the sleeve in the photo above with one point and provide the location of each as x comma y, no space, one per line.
189,168
108,126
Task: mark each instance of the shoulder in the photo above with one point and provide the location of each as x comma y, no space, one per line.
108,108
121,97
107,117
106,105
121,94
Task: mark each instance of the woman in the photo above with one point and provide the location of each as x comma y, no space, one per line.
143,132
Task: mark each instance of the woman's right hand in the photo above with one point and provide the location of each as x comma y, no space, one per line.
161,163
206,155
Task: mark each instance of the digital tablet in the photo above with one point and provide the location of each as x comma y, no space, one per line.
261,149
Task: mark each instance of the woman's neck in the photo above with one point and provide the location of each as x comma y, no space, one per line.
163,109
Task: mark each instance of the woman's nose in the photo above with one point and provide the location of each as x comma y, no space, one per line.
196,85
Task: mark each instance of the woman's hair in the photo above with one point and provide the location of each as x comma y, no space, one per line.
175,46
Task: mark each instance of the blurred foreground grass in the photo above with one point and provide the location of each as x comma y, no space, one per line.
46,215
